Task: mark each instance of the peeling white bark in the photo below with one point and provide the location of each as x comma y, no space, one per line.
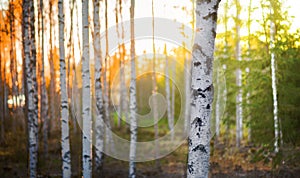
202,88
86,96
64,107
132,91
31,85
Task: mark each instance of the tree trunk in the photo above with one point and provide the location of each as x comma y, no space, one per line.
202,88
44,97
167,78
99,122
86,95
274,88
52,73
239,97
154,92
65,141
31,86
132,90
108,140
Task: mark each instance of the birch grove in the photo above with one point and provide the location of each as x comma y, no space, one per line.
121,72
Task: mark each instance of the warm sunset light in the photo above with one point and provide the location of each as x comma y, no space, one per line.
149,88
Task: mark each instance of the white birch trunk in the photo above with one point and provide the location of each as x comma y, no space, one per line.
86,96
239,97
202,88
274,88
132,91
169,114
64,107
31,86
99,125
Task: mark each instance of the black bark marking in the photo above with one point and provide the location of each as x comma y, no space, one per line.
190,142
196,64
199,48
201,148
198,122
208,106
212,15
190,168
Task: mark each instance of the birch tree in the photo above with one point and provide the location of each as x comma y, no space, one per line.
44,95
202,88
64,105
273,76
29,51
132,90
86,95
239,97
99,127
169,114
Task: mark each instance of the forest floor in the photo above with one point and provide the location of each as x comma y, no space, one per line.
226,161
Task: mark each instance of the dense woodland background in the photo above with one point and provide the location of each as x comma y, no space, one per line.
250,139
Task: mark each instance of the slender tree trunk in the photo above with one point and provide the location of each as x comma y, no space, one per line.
52,72
1,92
44,97
13,69
86,95
274,88
173,99
109,139
99,122
217,112
65,141
239,97
154,92
169,114
248,69
31,84
132,90
202,88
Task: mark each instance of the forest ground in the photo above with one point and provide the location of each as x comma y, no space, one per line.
226,161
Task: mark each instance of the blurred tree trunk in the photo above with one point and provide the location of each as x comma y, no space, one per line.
44,95
239,97
154,91
52,73
86,95
99,121
108,138
2,102
31,84
64,105
167,78
202,88
13,62
132,90
173,99
273,76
